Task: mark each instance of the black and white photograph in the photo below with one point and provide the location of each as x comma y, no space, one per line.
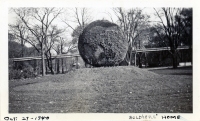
100,60
126,60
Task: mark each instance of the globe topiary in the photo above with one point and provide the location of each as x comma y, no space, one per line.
102,44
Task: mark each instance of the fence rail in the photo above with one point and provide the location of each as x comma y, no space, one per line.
160,49
77,55
39,57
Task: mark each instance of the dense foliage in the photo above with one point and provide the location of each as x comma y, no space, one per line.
27,72
102,44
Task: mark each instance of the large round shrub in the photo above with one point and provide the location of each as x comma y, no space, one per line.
102,44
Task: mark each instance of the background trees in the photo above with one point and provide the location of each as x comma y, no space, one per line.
40,28
19,31
185,19
133,22
48,31
37,25
80,18
174,25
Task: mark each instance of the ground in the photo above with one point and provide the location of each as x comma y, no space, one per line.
124,89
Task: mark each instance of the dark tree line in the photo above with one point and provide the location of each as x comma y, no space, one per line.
174,29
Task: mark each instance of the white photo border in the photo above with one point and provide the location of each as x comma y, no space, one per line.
6,4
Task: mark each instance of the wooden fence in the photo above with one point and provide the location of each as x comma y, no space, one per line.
160,49
64,62
61,63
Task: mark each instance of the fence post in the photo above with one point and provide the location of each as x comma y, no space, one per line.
62,63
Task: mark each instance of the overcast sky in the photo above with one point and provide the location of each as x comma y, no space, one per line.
95,13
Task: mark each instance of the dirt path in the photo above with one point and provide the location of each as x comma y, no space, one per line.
103,90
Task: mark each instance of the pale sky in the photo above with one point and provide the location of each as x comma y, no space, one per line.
95,13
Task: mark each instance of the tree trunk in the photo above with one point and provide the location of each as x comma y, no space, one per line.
145,60
135,59
139,60
131,49
51,69
174,57
50,65
58,65
43,61
130,57
22,51
62,65
49,62
22,46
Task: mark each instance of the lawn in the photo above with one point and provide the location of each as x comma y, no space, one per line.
105,90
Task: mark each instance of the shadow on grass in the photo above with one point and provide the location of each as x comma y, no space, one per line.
170,71
180,73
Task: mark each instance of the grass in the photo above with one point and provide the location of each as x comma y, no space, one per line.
105,90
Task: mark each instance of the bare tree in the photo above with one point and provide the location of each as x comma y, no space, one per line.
38,21
172,27
21,34
52,40
133,22
62,46
79,16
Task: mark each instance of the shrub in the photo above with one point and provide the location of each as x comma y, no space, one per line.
15,74
27,72
102,44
